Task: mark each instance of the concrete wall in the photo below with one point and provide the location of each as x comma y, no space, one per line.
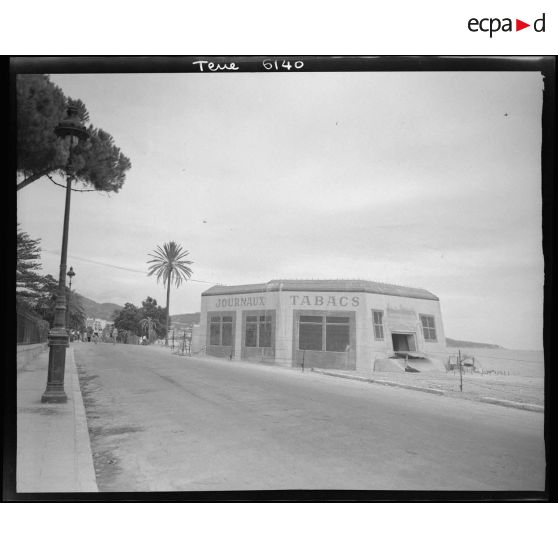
26,353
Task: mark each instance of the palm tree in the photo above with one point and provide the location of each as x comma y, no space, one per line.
168,264
148,325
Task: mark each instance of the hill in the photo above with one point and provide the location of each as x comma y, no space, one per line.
94,309
470,344
193,318
105,310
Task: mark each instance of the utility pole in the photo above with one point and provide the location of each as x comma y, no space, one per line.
460,373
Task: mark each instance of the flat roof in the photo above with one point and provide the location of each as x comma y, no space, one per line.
326,285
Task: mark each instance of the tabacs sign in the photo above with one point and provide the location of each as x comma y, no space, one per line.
295,300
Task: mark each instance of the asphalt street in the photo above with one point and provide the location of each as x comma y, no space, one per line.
164,422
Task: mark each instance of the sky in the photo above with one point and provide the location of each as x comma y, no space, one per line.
422,179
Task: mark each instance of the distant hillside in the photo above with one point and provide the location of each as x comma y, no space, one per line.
94,309
193,318
105,310
470,344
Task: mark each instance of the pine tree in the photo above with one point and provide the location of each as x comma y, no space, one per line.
29,283
41,105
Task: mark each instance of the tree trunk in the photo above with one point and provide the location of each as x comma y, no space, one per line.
168,315
32,178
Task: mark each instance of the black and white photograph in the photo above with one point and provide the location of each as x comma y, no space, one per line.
262,276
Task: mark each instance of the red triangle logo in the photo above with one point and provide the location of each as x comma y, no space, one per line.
519,25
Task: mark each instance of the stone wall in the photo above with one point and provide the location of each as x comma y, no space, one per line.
26,353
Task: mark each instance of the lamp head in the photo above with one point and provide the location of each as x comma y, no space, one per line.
71,127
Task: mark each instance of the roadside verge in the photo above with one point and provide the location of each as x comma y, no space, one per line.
472,397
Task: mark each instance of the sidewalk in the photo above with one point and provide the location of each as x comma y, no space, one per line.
53,449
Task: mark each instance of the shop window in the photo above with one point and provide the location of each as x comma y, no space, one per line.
215,331
264,331
321,333
337,334
310,333
220,331
428,328
378,318
251,339
226,340
258,331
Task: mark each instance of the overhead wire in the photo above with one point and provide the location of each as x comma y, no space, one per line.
121,267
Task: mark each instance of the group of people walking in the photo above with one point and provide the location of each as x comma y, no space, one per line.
95,337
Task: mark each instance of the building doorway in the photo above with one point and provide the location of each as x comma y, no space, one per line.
403,342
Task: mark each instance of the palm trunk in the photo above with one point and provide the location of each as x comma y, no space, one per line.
168,316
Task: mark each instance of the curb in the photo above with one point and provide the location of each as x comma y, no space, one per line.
506,403
86,479
490,400
405,386
380,382
434,391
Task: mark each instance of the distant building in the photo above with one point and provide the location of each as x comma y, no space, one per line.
97,324
336,324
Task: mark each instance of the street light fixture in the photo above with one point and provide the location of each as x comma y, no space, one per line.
72,131
70,274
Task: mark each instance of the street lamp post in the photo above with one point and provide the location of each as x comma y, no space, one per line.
70,274
71,130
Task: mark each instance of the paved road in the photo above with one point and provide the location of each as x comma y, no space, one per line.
163,422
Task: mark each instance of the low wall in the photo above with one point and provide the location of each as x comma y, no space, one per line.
26,353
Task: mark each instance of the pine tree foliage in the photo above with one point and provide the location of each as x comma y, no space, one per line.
40,107
29,283
98,163
104,165
35,293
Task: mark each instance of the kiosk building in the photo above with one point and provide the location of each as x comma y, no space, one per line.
336,324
